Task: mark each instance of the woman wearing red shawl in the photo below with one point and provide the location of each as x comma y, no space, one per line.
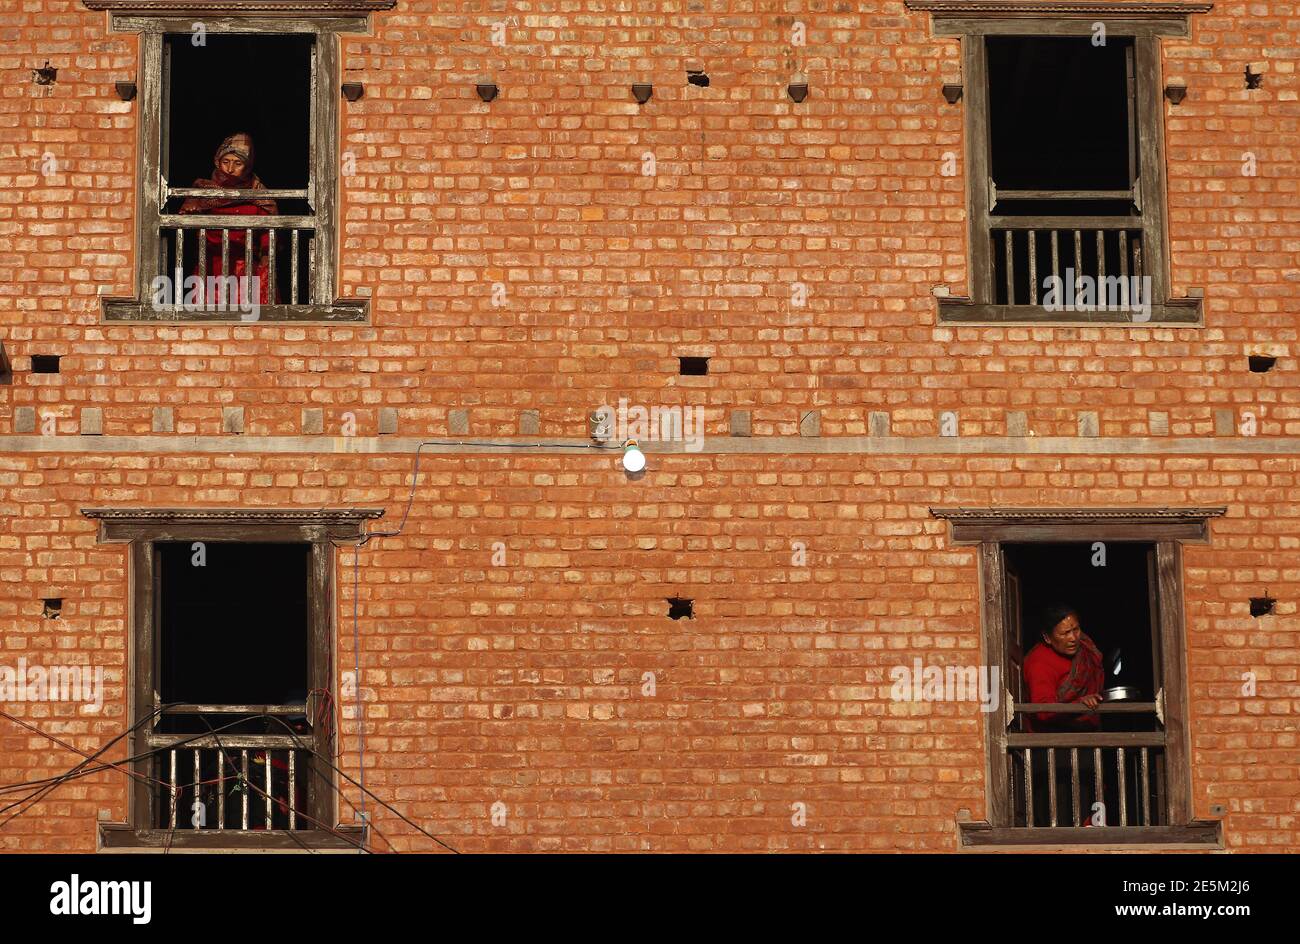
233,170
1064,668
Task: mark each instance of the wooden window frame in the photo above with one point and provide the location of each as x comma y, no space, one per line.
1167,529
142,528
154,20
972,22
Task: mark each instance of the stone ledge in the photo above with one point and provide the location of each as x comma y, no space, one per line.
713,445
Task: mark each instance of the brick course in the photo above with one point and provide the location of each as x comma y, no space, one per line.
521,684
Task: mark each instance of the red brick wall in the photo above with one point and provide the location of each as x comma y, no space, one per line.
610,274
522,684
492,684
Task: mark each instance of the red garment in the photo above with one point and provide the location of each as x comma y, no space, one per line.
1045,671
261,246
241,145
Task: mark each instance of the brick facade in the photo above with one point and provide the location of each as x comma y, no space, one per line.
522,683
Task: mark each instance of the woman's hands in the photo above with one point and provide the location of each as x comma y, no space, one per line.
1090,701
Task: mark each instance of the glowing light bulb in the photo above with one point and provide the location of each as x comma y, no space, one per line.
633,457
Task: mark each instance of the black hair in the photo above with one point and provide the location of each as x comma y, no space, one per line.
1053,614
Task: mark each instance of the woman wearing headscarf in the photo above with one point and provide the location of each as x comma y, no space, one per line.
1065,668
233,170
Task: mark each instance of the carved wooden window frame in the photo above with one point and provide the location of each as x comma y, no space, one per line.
1168,529
972,21
142,528
323,20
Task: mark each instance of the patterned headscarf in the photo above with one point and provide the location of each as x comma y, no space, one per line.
240,145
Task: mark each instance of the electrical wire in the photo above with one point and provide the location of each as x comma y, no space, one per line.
145,778
294,734
356,595
43,792
356,602
244,781
415,473
100,768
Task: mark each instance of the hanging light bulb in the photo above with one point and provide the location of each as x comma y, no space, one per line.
633,457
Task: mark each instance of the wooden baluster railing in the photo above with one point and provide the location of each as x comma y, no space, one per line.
1074,783
1098,796
178,283
198,795
1146,787
270,267
203,263
1011,268
1078,256
1033,271
245,787
293,269
266,755
221,790
247,287
225,267
1051,784
1029,788
1056,255
1121,774
293,790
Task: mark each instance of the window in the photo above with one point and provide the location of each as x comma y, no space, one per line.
256,243
1057,773
1112,589
1065,160
231,678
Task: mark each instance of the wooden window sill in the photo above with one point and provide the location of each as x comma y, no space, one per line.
119,837
1199,834
344,310
1178,312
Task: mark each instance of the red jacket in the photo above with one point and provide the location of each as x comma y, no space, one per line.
1044,670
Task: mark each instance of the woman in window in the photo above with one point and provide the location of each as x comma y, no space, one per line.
233,170
1065,668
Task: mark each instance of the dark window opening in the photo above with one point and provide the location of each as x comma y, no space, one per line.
233,631
679,608
45,363
1063,143
1067,215
693,366
276,113
274,74
1116,609
1060,113
1114,604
